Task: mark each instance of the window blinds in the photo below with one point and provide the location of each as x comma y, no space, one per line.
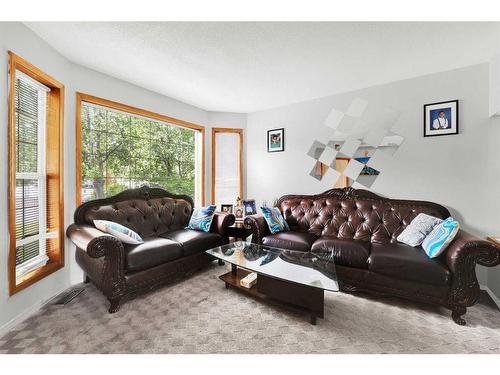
30,157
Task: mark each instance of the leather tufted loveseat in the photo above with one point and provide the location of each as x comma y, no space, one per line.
169,250
359,229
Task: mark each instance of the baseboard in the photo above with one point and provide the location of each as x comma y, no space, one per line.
27,313
491,294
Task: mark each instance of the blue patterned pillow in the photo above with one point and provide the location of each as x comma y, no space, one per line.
274,219
124,234
202,218
440,237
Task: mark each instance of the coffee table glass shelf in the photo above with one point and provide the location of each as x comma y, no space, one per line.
295,278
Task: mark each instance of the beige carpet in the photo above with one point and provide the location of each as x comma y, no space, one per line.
198,315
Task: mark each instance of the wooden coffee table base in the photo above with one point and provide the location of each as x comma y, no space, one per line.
300,296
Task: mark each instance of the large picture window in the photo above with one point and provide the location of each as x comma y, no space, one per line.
35,174
121,147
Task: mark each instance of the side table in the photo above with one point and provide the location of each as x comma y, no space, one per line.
238,232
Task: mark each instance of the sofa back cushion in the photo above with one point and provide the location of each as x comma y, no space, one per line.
148,212
351,214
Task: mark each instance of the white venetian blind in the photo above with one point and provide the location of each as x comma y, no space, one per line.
30,159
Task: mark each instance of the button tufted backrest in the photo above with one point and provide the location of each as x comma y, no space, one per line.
354,214
149,212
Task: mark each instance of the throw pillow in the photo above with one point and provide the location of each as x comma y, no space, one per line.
440,237
274,219
202,218
124,234
415,233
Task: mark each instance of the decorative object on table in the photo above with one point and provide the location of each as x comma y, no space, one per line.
239,212
249,207
202,218
249,280
441,118
440,237
119,231
419,228
226,208
274,219
238,201
276,140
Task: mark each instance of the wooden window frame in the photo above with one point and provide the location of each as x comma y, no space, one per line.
214,133
54,170
81,98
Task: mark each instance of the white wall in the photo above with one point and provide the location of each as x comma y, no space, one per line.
461,171
22,41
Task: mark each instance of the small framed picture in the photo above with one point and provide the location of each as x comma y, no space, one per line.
276,140
249,207
441,118
239,212
226,208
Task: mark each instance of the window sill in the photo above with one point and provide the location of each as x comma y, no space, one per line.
34,276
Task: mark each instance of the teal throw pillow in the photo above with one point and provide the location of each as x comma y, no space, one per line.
202,218
441,236
274,219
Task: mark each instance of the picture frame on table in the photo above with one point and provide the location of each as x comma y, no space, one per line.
249,207
239,212
226,208
441,118
276,140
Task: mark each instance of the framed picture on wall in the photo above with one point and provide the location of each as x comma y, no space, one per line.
276,140
441,118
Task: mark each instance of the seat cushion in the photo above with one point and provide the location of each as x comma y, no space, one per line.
152,252
407,263
345,252
290,240
194,241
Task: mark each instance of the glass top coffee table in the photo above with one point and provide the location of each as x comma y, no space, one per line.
295,278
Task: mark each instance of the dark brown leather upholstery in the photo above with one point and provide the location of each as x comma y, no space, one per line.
345,252
374,260
407,263
194,241
152,252
120,270
290,240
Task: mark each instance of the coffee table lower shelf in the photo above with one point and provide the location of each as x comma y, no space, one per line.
303,297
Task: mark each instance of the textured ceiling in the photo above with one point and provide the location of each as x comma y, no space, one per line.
246,67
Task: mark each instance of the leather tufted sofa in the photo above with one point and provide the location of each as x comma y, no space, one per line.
169,251
359,229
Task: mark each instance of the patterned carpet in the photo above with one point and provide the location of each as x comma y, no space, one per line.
199,315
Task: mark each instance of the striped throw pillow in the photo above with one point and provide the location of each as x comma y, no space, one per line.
124,234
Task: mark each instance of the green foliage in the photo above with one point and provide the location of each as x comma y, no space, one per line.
121,151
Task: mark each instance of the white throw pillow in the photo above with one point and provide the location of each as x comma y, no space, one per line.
124,234
415,233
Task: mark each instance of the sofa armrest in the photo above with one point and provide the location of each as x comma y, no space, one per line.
95,242
258,225
221,222
463,254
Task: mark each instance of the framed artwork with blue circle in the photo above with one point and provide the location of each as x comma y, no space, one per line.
441,118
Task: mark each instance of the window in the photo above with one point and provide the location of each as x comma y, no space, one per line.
35,174
121,147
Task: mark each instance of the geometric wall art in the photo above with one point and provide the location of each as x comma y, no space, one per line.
357,134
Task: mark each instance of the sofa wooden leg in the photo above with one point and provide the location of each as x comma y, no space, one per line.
115,305
456,314
86,279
